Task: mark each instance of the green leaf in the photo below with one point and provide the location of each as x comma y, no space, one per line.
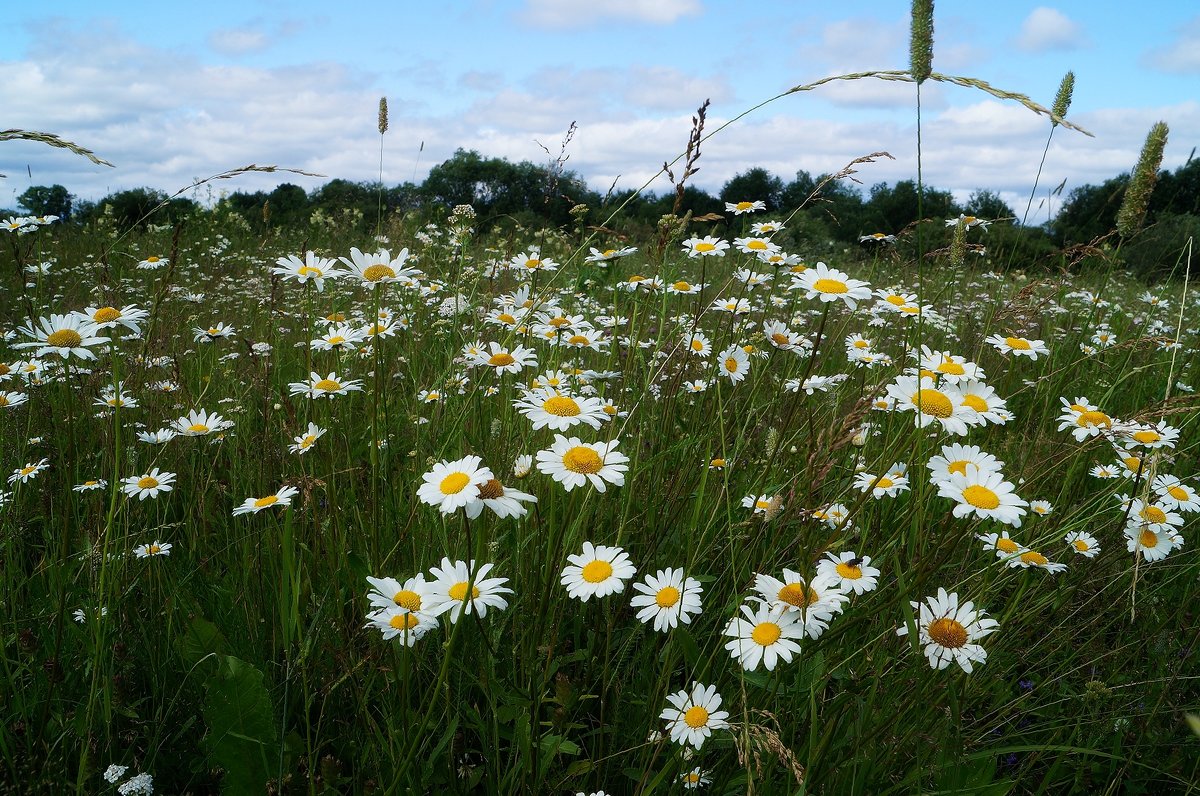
241,736
201,639
1194,722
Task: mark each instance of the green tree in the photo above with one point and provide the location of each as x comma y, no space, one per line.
988,204
754,185
43,200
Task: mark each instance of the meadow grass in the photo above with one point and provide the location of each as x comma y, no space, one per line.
240,662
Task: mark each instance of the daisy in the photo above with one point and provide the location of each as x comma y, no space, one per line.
327,387
212,333
411,595
410,626
503,360
763,504
877,237
314,268
765,634
1147,435
783,338
199,424
23,474
88,486
696,778
740,208
532,261
65,335
8,400
1019,346
148,485
548,408
1032,558
159,437
522,465
684,288
767,227
882,485
735,364
452,485
155,548
504,501
833,515
1172,493
1084,422
153,263
597,572
697,344
949,631
932,403
130,317
816,601
1154,545
693,716
1041,507
572,462
733,306
304,442
254,505
829,284
986,495
667,598
852,572
755,245
111,398
982,399
339,337
1151,515
379,268
459,583
708,246
948,368
608,255
1083,543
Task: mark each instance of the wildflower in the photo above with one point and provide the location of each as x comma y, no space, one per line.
572,462
8,400
597,572
740,208
113,773
1032,558
449,591
129,316
338,337
850,570
254,505
504,501
755,245
763,504
24,474
986,495
765,634
159,437
327,387
609,254
506,361
1083,543
212,333
532,261
684,288
1153,544
696,778
88,486
548,408
379,268
932,403
411,626
452,485
735,364
708,246
982,399
880,486
65,335
199,424
693,716
949,631
877,237
1172,493
1150,436
697,344
305,442
1019,346
767,227
314,268
817,600
968,222
667,598
829,284
522,465
155,548
153,263
141,785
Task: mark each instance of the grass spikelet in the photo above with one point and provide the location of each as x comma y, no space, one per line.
921,44
1142,182
1062,100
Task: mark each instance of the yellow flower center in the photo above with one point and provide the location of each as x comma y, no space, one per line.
506,318
697,345
1081,545
459,590
883,482
582,459
578,339
269,500
327,384
28,470
532,263
147,482
696,717
408,600
682,286
1017,343
933,402
559,322
975,402
404,621
198,428
981,497
1035,558
337,339
1086,419
454,483
561,406
757,245
745,205
1148,538
731,365
308,441
609,252
765,633
106,314
795,594
377,272
1154,514
779,338
1132,463
5,369
666,597
849,571
894,300
718,462
948,633
830,286
65,338
335,317
597,571
705,247
1179,493
500,360
1146,437
90,483
951,367
308,270
3,400
153,549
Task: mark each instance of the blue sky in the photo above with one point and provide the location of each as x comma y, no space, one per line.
170,92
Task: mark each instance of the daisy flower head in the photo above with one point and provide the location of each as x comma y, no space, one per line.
982,399
1083,543
303,443
667,598
217,331
852,571
90,485
573,463
155,548
948,368
522,465
829,284
311,268
458,583
409,626
148,485
986,495
504,501
877,237
755,245
1172,493
412,595
949,631
452,485
931,402
339,337
1084,421
697,344
882,485
130,316
708,246
548,408
740,208
65,335
596,572
766,505
735,363
606,256
681,287
767,227
763,635
327,387
24,474
694,715
532,260
160,437
1032,558
1042,508
696,778
1148,436
815,600
1153,515
254,505
504,360
9,400
379,268
1153,544
153,263
199,424
1019,346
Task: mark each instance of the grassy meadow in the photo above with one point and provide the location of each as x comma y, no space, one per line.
409,506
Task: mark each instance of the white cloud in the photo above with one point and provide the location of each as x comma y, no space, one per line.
582,13
1047,29
1182,55
237,41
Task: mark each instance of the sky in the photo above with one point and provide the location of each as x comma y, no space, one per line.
175,92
